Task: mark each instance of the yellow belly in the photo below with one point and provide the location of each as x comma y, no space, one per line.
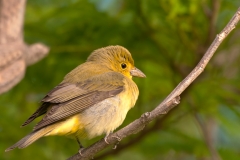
68,127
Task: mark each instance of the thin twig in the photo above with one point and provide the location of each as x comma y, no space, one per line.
171,101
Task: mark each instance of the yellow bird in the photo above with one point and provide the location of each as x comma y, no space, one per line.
93,99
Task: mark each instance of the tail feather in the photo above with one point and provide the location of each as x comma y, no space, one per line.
30,138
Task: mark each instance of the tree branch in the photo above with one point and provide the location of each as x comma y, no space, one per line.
167,104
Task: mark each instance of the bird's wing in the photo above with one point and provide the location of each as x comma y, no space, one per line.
70,99
61,93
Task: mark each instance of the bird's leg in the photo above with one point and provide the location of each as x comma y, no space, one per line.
118,139
105,138
79,143
80,147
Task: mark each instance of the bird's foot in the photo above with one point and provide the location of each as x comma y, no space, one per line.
115,146
80,151
118,138
80,147
105,139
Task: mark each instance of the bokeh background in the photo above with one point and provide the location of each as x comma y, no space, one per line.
167,38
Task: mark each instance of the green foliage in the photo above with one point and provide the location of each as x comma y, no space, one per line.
166,38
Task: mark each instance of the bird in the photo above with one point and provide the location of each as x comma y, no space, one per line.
93,99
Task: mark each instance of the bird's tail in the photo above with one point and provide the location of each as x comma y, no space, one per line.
30,138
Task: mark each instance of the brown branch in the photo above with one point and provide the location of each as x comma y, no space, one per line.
169,102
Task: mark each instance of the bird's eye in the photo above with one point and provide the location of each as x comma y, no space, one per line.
123,65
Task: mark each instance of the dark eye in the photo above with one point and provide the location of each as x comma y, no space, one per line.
123,65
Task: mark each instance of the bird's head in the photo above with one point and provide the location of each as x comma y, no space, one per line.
116,58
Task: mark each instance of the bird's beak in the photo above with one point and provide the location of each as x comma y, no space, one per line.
137,73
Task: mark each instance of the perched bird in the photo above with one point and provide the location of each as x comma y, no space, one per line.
93,99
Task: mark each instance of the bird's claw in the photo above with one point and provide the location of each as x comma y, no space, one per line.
115,146
105,139
80,151
118,138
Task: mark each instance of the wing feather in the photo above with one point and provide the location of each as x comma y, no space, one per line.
70,99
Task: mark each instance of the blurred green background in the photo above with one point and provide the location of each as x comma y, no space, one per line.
167,38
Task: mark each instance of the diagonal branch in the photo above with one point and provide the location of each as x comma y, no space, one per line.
167,104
